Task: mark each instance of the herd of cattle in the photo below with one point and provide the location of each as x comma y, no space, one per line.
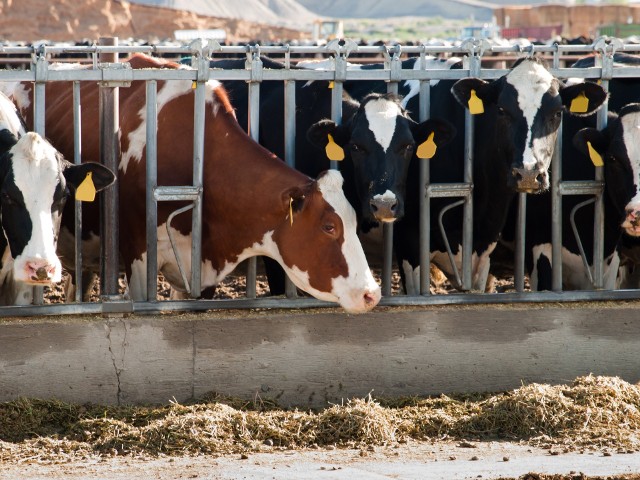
308,219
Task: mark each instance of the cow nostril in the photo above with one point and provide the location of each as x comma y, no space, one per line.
516,174
369,299
374,207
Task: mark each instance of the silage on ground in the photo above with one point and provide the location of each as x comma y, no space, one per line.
591,412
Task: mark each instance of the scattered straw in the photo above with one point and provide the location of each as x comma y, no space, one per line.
593,412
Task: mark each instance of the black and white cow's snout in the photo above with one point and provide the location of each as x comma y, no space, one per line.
535,180
386,208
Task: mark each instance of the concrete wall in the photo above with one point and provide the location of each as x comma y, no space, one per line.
309,358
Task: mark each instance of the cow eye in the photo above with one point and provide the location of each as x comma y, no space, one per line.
356,148
408,148
558,114
502,112
329,228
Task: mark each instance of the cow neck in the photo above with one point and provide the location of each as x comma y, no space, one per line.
492,195
250,183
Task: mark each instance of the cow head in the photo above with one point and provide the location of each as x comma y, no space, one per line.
527,105
33,190
380,140
618,146
318,247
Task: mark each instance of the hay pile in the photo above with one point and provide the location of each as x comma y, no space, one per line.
593,412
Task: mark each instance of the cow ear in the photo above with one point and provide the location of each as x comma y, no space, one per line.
318,133
293,200
583,98
101,176
473,93
592,143
443,131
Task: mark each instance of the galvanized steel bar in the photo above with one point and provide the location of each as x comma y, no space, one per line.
424,108
77,159
518,272
556,215
109,155
255,65
290,149
198,173
152,183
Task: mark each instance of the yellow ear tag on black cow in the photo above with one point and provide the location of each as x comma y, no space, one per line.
475,104
427,149
594,156
580,104
334,151
86,191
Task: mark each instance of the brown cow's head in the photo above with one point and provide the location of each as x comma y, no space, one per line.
319,248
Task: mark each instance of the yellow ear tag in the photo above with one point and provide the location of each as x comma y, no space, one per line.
86,191
475,104
427,149
291,211
331,84
334,151
194,84
594,156
580,104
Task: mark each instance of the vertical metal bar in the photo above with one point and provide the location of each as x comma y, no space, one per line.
152,183
425,199
198,170
467,215
598,216
254,131
387,233
109,154
336,110
290,149
77,159
39,127
556,215
520,238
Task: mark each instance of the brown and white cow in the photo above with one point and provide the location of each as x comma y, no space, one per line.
249,194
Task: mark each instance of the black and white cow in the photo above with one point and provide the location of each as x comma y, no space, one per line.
35,182
513,145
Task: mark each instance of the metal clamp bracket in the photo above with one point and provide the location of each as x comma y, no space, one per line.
116,74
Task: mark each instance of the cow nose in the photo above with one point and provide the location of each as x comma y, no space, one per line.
371,299
39,270
631,222
384,209
529,181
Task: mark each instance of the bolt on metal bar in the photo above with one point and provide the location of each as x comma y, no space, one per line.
290,149
152,183
109,154
77,160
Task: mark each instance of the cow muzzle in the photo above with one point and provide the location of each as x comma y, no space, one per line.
386,208
40,272
530,181
631,224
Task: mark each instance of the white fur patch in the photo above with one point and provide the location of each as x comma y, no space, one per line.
387,196
431,63
531,81
631,137
9,117
381,115
171,90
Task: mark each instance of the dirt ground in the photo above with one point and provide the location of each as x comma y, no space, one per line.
444,460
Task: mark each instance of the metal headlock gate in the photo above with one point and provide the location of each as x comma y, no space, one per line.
112,75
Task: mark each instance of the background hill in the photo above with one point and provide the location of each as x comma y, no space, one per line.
479,9
275,12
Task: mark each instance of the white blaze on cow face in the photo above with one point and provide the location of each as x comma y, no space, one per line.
532,81
631,137
169,91
381,115
348,291
9,117
36,174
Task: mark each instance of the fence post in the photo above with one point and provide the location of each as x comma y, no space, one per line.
109,155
